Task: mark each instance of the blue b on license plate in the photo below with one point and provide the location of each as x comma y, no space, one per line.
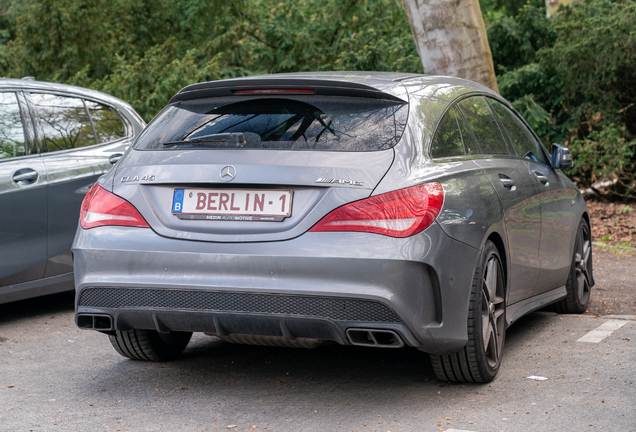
232,204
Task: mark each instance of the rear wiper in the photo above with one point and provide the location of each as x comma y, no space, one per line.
217,137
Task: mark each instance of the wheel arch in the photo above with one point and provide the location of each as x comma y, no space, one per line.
496,238
577,218
586,216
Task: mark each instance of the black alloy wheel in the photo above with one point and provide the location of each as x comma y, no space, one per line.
580,279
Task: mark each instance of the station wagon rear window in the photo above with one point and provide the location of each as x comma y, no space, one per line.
291,123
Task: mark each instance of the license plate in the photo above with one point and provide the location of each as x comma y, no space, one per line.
232,204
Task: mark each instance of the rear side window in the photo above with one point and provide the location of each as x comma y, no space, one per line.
448,138
108,124
63,122
11,132
301,123
523,141
483,124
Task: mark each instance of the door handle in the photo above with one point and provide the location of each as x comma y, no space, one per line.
543,179
26,175
507,182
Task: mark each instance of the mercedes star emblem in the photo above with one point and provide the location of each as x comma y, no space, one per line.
228,173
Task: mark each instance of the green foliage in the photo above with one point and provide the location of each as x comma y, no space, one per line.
144,51
514,41
534,113
493,10
606,153
306,35
574,78
151,80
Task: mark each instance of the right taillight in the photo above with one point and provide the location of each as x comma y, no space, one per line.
103,208
401,213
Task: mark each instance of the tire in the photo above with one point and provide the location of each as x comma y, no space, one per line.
150,345
580,279
479,360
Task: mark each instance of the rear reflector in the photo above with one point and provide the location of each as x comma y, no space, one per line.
400,213
102,208
274,91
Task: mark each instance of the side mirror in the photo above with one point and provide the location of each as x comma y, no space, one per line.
561,156
114,158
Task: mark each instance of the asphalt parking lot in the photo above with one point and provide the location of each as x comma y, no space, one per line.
54,376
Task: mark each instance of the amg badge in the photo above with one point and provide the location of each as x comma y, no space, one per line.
340,181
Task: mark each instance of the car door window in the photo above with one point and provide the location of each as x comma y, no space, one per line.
11,130
470,145
523,141
448,138
481,121
63,122
108,125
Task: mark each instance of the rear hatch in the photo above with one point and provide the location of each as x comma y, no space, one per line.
262,163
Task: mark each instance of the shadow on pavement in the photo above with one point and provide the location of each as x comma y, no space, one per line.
210,357
55,303
210,366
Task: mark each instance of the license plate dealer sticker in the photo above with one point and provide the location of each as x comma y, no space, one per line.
232,204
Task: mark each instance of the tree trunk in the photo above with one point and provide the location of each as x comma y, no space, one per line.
451,39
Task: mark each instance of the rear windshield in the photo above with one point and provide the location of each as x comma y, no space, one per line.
302,123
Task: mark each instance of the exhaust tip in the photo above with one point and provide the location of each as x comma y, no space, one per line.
85,322
102,322
95,322
374,338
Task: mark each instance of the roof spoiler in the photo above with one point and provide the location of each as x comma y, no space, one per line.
288,86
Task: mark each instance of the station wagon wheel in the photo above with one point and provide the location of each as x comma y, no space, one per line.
492,311
150,345
480,359
580,279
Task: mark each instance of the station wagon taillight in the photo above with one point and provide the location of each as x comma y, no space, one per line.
103,208
400,213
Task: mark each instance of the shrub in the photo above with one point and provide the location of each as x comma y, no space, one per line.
144,51
584,79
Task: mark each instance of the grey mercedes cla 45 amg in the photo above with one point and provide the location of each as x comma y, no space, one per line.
371,209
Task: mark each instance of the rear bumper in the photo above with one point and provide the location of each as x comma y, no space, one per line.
317,286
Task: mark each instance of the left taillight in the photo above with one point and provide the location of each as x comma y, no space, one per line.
401,213
103,208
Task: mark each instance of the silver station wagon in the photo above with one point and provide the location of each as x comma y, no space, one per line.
55,141
370,209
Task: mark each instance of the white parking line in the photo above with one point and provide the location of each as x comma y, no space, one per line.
457,430
603,331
